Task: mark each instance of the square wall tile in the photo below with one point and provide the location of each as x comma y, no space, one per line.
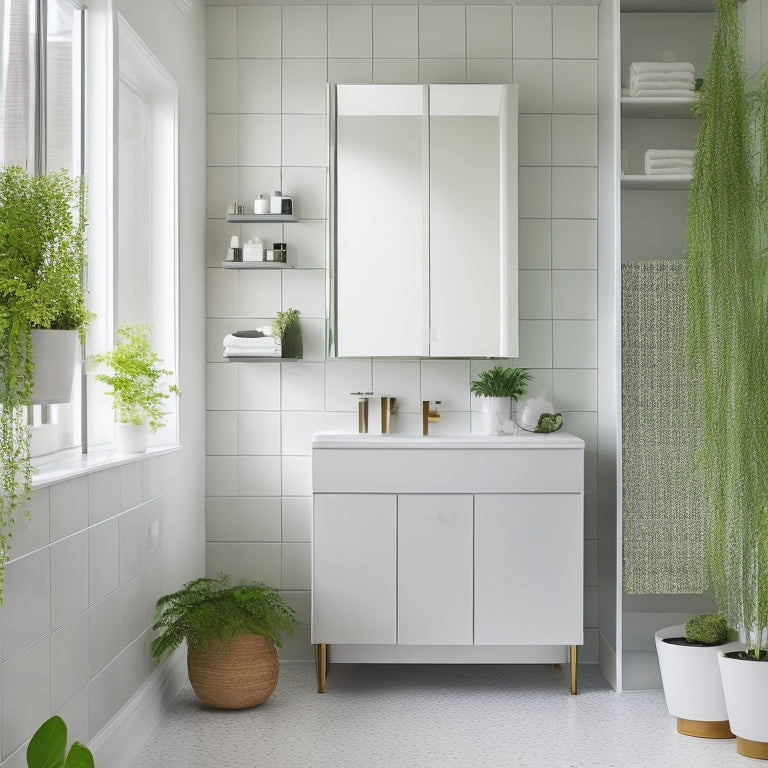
489,31
297,518
220,476
574,86
130,486
215,331
574,244
297,475
151,479
305,31
103,495
218,234
220,556
69,507
574,193
221,386
134,666
313,335
221,140
583,424
574,294
132,622
220,190
574,32
297,431
447,381
535,140
258,139
442,70
303,386
258,387
258,433
104,697
304,86
400,379
574,389
133,539
104,632
258,85
221,518
396,31
259,562
70,646
221,86
221,32
26,602
350,31
305,289
442,32
534,76
532,32
574,344
301,602
535,291
258,475
535,192
534,243
258,293
307,246
308,188
342,378
535,344
304,140
35,532
574,140
258,519
69,578
258,32
489,70
350,71
220,292
253,181
221,433
396,70
296,566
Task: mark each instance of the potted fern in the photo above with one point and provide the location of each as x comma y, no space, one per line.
727,325
232,635
287,327
496,388
137,386
42,264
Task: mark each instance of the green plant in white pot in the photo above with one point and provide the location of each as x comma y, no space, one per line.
496,388
137,384
42,265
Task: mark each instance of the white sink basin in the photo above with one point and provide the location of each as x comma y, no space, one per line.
521,440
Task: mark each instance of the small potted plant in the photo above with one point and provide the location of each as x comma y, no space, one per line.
496,388
232,635
287,327
48,748
688,660
137,386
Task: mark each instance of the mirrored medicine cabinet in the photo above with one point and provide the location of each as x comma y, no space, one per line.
423,238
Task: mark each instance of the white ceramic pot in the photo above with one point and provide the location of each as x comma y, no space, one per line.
692,687
745,685
54,354
496,411
131,438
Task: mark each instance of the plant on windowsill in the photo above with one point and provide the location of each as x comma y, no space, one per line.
287,327
48,748
727,325
494,387
42,266
137,386
232,635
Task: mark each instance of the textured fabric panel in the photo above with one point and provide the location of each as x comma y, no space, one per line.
662,511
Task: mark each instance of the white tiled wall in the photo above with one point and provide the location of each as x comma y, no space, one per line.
78,600
267,70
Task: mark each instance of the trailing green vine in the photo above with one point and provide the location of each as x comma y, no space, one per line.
728,326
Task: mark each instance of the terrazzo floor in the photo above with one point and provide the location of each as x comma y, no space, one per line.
413,716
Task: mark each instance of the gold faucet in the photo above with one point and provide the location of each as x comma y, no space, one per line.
428,415
388,408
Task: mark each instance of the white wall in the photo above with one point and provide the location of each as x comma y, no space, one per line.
81,586
267,69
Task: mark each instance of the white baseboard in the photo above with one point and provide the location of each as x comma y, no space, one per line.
121,739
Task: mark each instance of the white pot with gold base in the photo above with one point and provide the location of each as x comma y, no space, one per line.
745,685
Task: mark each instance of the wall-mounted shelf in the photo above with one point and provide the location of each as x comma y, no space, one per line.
647,107
261,359
256,265
244,218
642,181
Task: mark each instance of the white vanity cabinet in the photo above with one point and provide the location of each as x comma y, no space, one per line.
463,549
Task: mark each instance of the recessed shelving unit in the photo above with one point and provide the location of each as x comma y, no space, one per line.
642,181
246,218
256,265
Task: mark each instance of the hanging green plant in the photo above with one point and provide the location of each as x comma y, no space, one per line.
728,327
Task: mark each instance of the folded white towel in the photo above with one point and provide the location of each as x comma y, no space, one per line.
663,77
240,352
239,342
665,94
681,171
677,85
663,154
638,67
671,162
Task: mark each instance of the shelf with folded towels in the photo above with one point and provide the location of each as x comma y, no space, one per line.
653,181
256,265
244,218
244,359
648,107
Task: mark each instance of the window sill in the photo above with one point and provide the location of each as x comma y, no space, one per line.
66,465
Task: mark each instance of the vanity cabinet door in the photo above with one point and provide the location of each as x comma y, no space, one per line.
354,568
529,569
434,534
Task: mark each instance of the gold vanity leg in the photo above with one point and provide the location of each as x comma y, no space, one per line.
573,670
321,665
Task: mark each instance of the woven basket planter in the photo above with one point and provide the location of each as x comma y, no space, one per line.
235,675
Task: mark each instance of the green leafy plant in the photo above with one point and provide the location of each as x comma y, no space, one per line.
727,327
501,382
136,382
706,629
42,265
287,327
207,608
549,422
48,748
